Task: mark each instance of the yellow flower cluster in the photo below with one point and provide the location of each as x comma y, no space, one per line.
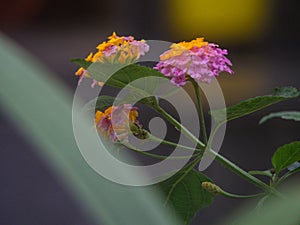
118,49
198,42
178,48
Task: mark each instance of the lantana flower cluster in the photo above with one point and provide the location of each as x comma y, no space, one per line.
196,59
116,121
118,49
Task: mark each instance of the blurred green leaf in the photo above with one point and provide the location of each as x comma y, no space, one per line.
254,104
188,196
274,211
287,115
285,156
41,107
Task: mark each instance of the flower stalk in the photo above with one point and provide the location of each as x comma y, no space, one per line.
200,110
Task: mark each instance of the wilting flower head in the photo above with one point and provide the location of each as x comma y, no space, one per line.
196,59
118,49
116,121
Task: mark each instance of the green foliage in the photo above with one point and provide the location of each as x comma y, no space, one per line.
287,115
122,75
183,191
274,211
126,75
254,104
186,196
285,156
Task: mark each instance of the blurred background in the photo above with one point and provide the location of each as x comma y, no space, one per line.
262,37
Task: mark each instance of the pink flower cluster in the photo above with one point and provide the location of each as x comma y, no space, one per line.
201,62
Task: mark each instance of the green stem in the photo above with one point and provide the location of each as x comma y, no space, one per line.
130,147
178,125
225,162
200,109
242,173
245,175
222,160
230,195
154,138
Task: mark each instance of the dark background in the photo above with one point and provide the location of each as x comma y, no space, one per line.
262,38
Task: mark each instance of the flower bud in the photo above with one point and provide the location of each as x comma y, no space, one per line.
212,188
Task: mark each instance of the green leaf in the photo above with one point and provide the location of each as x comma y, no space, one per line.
254,104
102,103
287,115
105,101
81,62
121,75
286,92
142,90
188,196
285,156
